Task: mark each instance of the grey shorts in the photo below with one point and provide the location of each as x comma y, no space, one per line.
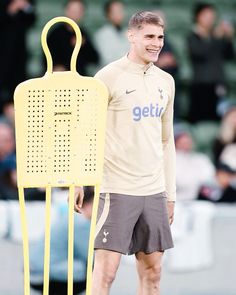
129,224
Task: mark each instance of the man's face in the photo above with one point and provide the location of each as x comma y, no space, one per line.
146,43
207,18
74,10
184,143
116,13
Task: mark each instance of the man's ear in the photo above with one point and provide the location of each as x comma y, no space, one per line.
130,36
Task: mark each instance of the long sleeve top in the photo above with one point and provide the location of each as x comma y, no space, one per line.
139,148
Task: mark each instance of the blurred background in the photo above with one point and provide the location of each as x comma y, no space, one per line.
200,53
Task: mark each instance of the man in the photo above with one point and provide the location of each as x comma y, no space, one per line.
7,162
188,164
61,42
138,191
223,188
16,18
209,45
110,39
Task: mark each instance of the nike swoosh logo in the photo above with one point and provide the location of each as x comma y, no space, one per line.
128,92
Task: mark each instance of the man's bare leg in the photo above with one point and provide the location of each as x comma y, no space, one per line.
106,264
149,271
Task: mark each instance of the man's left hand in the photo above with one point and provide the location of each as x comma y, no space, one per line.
170,209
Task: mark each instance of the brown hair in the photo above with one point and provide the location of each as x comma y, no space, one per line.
145,17
76,1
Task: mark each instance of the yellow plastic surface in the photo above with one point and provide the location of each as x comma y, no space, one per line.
60,133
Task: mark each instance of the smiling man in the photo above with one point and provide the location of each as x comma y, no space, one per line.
137,197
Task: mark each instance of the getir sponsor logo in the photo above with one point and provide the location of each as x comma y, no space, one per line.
153,110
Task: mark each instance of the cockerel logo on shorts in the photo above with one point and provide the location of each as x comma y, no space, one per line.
105,236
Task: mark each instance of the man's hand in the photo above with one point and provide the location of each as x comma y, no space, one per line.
78,199
170,209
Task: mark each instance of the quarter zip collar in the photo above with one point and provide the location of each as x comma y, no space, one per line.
137,68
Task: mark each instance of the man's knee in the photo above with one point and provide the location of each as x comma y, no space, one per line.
149,268
152,275
106,272
109,274
155,274
105,267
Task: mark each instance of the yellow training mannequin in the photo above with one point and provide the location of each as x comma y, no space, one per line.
60,133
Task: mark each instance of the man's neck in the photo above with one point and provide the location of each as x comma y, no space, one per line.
134,59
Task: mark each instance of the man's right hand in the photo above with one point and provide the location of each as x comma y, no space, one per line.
78,199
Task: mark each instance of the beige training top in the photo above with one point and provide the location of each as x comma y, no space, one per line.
139,149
